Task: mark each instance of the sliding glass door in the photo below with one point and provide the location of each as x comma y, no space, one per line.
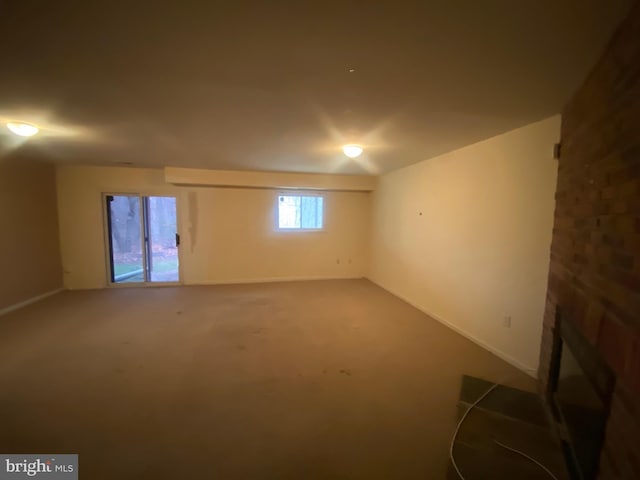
162,233
126,253
143,240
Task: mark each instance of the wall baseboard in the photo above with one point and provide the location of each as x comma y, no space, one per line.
271,280
29,301
532,372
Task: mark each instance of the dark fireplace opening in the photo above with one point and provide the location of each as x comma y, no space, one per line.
580,390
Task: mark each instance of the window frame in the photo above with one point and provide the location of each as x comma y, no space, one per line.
300,193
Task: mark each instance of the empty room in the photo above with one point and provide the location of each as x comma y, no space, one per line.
320,240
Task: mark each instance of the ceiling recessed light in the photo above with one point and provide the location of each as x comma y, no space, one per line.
352,150
23,129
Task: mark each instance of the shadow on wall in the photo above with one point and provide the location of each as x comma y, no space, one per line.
193,220
30,258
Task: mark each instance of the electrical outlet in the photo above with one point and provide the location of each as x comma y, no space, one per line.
506,321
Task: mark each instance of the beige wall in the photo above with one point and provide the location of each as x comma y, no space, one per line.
228,234
30,258
465,237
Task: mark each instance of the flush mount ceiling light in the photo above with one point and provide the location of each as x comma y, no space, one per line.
23,129
352,150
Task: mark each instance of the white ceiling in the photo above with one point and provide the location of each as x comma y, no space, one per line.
266,85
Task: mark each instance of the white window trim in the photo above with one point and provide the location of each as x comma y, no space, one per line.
301,193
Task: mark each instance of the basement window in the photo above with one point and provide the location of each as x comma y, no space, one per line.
300,212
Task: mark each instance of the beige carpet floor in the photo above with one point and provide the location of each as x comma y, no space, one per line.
299,380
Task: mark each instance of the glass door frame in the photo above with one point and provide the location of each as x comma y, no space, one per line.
143,237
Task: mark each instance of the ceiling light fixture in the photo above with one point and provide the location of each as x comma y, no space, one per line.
23,129
352,150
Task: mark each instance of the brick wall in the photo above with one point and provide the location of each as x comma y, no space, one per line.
595,254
